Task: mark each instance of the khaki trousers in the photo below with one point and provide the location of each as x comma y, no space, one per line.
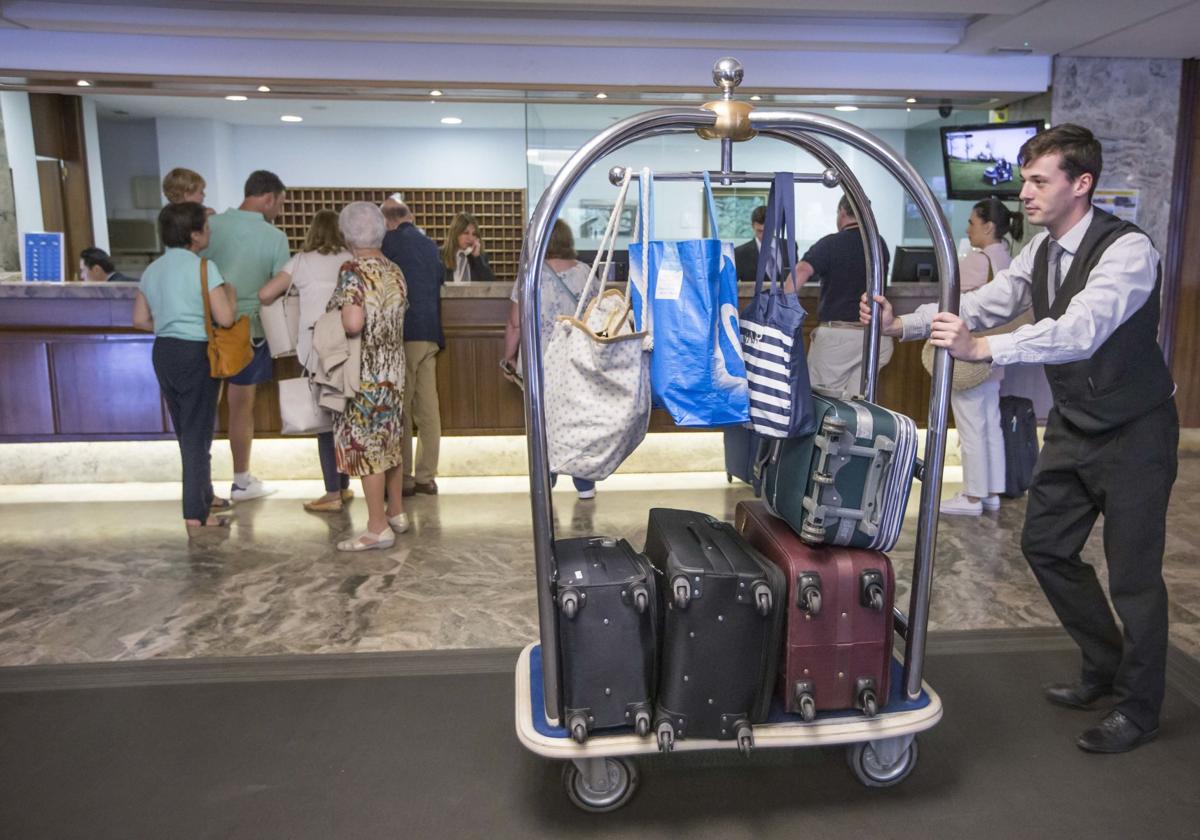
835,357
421,408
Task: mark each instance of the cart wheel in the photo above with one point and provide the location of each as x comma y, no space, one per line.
871,770
728,478
620,783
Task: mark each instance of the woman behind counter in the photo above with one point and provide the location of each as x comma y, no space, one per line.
314,273
462,253
169,303
368,435
977,410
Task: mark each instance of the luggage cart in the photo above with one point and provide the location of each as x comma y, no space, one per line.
600,775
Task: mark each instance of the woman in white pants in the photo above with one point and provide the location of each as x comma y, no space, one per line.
977,410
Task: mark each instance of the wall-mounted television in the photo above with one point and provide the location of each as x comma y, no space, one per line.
981,160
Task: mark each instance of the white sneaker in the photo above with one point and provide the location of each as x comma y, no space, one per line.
960,505
587,494
254,489
991,502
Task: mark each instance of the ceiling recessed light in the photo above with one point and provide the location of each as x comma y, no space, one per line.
435,93
909,110
602,95
236,97
912,100
263,89
845,107
451,121
83,83
755,98
291,118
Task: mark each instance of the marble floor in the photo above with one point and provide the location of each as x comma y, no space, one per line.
112,577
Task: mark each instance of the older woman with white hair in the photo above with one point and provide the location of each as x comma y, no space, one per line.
372,297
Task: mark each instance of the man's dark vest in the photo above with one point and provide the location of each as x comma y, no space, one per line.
1126,377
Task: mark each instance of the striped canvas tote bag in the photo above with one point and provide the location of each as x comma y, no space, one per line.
772,324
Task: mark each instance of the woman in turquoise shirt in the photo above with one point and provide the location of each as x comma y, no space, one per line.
170,304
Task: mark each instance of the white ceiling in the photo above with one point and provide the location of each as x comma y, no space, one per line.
1147,28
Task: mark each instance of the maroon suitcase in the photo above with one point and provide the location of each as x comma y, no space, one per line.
838,648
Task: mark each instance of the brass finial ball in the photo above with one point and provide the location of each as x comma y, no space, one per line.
727,73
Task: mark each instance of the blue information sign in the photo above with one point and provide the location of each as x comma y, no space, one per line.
44,257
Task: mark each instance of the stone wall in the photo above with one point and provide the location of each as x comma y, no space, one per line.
1132,106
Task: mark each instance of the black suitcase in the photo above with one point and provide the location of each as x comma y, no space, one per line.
721,619
742,450
1018,423
608,607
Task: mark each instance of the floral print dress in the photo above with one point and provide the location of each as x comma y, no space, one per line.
368,434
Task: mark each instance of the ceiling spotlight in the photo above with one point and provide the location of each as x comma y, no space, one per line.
909,110
451,121
291,118
602,95
755,98
236,97
912,100
83,83
845,107
435,93
263,89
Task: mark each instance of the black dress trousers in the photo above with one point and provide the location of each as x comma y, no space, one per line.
1126,474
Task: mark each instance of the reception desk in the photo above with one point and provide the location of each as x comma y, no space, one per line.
72,367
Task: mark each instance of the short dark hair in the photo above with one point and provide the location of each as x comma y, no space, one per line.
177,223
846,207
262,182
93,257
1079,148
758,216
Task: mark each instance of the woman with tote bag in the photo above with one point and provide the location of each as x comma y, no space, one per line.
313,273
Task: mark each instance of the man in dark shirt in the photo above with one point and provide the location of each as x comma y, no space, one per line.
96,266
745,256
420,260
835,356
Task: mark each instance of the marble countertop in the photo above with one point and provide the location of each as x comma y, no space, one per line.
11,286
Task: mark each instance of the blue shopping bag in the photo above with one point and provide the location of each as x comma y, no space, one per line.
696,369
772,328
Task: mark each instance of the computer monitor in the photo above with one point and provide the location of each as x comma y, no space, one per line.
620,264
914,264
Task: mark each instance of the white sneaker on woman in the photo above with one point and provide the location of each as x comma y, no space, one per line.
991,502
254,489
960,505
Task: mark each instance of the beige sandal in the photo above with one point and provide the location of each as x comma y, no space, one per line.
377,541
324,506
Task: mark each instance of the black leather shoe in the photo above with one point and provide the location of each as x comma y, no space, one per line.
1076,695
1115,734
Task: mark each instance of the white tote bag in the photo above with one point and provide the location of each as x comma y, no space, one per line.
298,408
281,321
597,375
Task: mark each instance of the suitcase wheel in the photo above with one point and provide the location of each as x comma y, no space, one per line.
569,602
808,593
871,585
642,723
867,701
833,425
762,597
641,599
681,588
803,699
578,726
745,738
666,737
822,478
812,534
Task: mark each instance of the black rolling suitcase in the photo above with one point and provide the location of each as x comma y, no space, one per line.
608,606
721,619
1018,423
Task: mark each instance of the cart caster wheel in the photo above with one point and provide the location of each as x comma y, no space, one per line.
618,783
870,761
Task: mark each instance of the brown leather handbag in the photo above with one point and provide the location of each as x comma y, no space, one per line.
229,349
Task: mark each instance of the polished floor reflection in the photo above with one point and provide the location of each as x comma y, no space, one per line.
94,581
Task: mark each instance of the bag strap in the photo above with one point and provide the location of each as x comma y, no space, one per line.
563,285
711,204
609,239
643,224
779,233
208,324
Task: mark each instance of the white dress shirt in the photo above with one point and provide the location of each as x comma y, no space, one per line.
1117,287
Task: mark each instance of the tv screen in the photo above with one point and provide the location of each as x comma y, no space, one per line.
914,264
618,273
981,160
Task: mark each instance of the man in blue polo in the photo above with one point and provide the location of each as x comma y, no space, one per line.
419,259
249,250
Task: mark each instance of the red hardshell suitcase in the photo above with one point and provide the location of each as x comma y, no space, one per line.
837,652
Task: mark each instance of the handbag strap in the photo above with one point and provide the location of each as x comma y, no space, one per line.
605,251
779,233
208,324
645,221
711,204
